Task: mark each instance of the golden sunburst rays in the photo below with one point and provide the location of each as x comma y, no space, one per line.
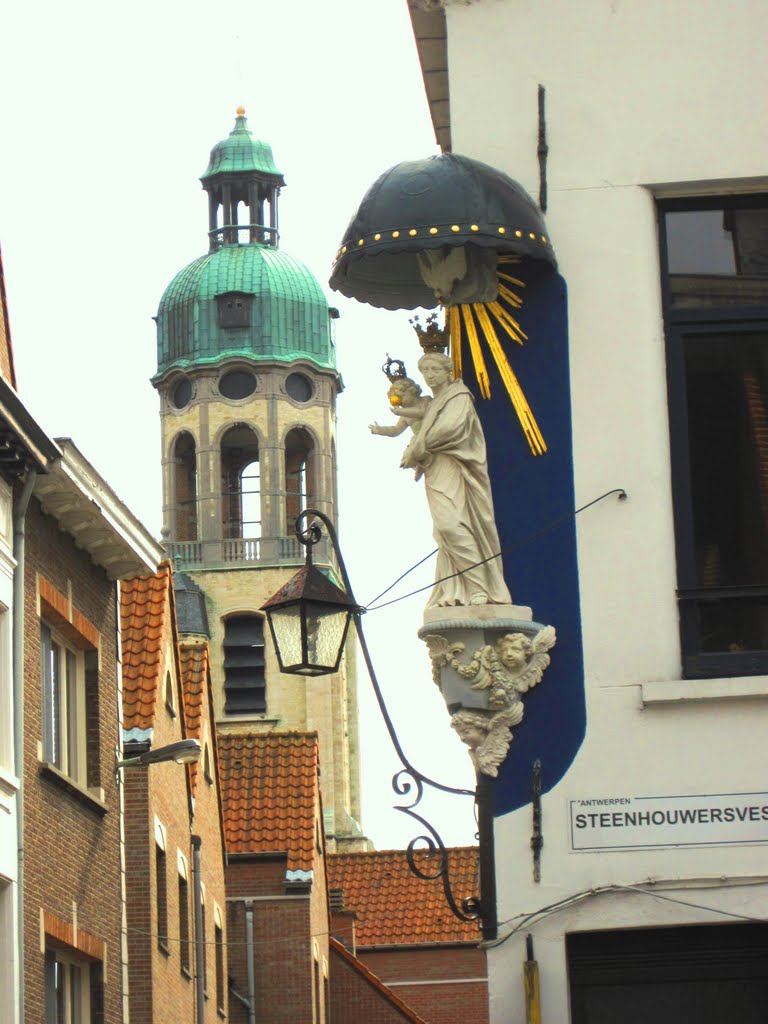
454,331
494,321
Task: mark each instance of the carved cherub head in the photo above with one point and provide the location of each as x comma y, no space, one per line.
403,391
471,726
513,651
487,735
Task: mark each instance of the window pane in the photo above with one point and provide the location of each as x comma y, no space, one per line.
726,378
733,625
727,396
698,242
717,257
61,987
55,704
72,725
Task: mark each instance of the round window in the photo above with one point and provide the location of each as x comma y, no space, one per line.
237,384
298,387
182,393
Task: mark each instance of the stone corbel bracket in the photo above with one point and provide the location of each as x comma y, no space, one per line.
484,659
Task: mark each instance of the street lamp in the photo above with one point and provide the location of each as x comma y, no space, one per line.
309,620
309,616
183,752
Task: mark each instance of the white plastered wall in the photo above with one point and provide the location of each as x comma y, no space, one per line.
642,100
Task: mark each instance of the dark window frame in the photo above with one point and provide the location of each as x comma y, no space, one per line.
161,898
218,938
681,323
245,681
185,956
234,309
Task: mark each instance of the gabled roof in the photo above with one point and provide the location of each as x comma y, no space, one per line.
146,611
395,907
431,35
270,796
75,494
337,949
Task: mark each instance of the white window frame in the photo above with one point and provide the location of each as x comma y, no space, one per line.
64,706
69,987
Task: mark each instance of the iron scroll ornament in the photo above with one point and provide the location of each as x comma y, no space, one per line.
408,778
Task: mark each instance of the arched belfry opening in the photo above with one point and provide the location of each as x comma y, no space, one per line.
240,485
184,459
300,475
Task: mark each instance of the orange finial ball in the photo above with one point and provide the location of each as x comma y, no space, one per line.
240,111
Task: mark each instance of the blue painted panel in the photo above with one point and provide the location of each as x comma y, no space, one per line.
530,494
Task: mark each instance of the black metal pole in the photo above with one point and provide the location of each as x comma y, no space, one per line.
489,920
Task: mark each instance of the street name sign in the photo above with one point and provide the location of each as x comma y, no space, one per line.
630,822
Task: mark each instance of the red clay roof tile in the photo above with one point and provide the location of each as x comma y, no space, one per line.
194,681
396,907
270,794
144,612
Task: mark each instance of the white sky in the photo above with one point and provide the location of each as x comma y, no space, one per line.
108,115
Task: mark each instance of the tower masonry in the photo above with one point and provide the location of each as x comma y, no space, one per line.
247,378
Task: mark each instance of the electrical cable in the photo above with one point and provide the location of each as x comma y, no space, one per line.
510,547
536,916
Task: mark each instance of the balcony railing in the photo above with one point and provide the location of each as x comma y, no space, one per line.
198,554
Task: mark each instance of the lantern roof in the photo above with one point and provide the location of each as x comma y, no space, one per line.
241,153
309,584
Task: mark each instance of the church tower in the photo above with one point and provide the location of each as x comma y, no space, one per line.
247,378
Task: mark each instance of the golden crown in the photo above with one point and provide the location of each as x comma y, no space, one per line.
432,337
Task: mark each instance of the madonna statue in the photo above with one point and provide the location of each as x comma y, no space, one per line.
449,451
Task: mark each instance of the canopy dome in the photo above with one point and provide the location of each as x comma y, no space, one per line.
287,312
446,201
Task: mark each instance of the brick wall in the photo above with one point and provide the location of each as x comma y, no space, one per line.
437,982
282,934
71,841
162,990
206,823
139,898
355,996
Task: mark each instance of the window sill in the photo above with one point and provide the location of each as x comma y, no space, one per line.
86,795
164,948
186,973
8,781
696,691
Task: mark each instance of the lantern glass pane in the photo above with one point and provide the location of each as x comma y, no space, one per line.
325,633
286,623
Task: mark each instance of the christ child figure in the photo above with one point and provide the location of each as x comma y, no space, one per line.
407,403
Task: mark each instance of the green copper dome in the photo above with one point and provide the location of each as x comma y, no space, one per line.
285,311
240,153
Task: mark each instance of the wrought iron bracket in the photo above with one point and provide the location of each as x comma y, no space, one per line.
409,782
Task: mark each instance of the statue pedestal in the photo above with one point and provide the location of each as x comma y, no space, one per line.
484,657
